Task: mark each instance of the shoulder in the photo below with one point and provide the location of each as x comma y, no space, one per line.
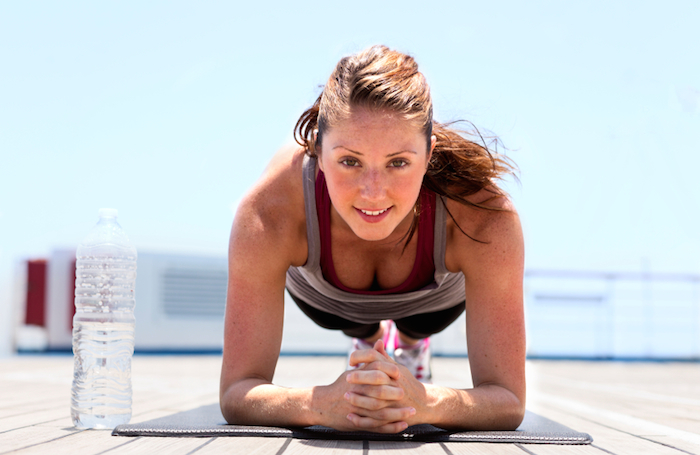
273,208
496,235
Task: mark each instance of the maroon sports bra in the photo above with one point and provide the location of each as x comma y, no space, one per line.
423,269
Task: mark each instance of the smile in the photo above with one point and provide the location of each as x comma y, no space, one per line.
373,213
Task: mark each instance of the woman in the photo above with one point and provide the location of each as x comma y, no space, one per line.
382,214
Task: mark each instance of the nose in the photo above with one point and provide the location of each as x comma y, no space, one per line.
372,186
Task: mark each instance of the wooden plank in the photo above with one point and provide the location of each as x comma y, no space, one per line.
322,447
679,412
392,448
149,446
559,449
67,423
609,401
475,448
26,394
24,418
308,371
244,445
609,438
30,436
82,442
624,422
452,372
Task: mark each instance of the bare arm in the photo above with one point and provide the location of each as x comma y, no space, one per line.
495,333
268,236
495,324
259,256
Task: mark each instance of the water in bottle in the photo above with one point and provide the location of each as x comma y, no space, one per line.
103,326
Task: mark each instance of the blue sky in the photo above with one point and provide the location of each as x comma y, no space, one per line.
169,111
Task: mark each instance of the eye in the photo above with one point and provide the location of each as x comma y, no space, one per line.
398,163
350,162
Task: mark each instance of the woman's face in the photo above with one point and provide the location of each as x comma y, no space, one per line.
374,164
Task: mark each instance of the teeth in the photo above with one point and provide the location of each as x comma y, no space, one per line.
373,213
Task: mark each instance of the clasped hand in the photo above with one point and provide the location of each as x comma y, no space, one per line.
379,395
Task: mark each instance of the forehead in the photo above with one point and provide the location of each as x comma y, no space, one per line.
377,123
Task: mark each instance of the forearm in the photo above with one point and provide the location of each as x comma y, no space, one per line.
256,402
487,407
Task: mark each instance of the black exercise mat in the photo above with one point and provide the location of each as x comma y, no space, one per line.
207,421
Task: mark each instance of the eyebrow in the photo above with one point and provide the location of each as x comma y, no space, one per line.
388,156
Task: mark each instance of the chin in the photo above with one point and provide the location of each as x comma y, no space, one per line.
372,234
372,238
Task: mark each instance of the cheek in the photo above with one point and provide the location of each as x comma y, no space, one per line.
340,190
401,188
409,183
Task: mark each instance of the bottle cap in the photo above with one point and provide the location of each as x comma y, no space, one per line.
108,213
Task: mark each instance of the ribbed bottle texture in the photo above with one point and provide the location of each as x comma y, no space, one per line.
103,326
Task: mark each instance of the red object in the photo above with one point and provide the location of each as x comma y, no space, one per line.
35,311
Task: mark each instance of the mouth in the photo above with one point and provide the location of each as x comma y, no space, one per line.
373,212
373,216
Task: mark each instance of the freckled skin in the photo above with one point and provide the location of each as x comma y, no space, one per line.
372,161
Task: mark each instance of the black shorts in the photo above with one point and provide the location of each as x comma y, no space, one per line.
417,326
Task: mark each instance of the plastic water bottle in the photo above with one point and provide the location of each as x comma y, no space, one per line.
103,326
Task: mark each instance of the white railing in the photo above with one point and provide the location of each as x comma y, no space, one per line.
612,315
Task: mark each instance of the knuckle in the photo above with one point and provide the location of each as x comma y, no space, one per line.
383,393
372,376
375,406
368,423
384,414
389,393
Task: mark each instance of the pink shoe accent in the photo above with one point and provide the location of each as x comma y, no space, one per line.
414,357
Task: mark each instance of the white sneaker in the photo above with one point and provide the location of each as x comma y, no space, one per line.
416,358
359,343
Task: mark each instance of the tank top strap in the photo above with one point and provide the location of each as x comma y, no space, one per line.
313,234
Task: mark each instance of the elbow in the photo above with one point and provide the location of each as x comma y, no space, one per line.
233,410
513,414
513,418
235,401
226,404
506,412
230,400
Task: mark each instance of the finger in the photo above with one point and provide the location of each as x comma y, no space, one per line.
380,392
379,347
372,377
370,424
383,420
374,399
377,373
365,356
391,369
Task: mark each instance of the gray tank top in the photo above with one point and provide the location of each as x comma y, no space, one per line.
308,284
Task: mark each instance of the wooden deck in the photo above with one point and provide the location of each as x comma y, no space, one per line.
628,408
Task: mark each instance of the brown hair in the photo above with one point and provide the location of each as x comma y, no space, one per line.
380,78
